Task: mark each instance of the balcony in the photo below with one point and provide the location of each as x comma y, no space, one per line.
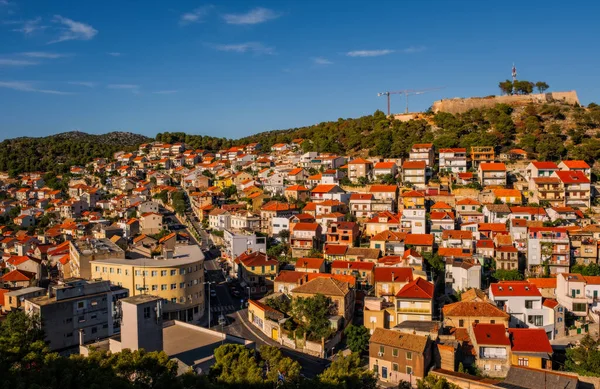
413,310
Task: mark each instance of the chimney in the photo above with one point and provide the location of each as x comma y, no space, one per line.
392,276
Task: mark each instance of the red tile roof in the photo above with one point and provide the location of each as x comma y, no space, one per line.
572,177
419,239
324,188
393,274
545,165
529,340
360,161
412,193
298,188
490,334
507,289
550,303
256,259
384,165
278,206
335,249
422,145
18,275
361,196
417,289
309,263
543,282
289,276
414,165
355,265
383,188
454,252
306,226
576,164
492,166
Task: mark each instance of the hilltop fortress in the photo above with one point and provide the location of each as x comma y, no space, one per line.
460,105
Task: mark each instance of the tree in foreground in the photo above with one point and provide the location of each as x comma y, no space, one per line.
347,372
434,382
585,358
507,275
357,338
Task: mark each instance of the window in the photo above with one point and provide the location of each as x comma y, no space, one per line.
97,268
173,272
181,271
80,304
111,270
560,319
395,352
394,367
94,330
174,300
103,269
138,273
476,321
173,286
523,362
560,309
126,272
497,367
536,320
492,321
182,285
579,307
69,320
409,355
529,304
81,319
154,287
146,312
119,271
487,367
381,350
163,287
461,323
409,370
384,372
154,273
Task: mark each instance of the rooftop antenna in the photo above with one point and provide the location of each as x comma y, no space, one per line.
514,73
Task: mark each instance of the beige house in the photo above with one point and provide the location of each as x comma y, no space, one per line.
358,168
464,314
339,292
151,223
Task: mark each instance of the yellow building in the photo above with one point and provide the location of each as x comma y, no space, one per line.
413,200
223,182
177,277
530,347
464,314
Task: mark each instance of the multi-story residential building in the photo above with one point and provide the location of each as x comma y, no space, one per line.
540,169
415,301
458,239
396,356
345,233
440,222
245,220
423,152
275,209
236,243
304,237
492,348
548,246
414,173
383,221
362,271
507,258
340,293
310,265
413,221
385,197
453,160
576,165
389,242
492,174
328,192
464,314
177,277
257,271
482,154
83,252
577,188
578,294
522,300
361,205
77,310
584,247
381,169
14,299
462,274
530,347
390,280
508,196
219,219
360,168
548,189
413,200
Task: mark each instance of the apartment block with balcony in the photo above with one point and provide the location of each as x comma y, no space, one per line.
548,245
305,237
548,189
415,301
492,347
414,173
77,310
522,301
453,160
462,274
423,152
578,293
360,168
507,258
577,188
584,247
481,154
345,233
492,174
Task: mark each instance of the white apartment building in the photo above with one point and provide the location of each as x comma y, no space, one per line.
453,160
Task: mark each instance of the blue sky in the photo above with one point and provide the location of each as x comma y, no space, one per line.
233,68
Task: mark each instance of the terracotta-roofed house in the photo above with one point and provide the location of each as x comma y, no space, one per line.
389,280
415,301
310,265
530,347
464,314
414,173
492,174
339,292
359,168
492,348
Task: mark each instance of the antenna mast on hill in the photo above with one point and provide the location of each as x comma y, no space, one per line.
514,73
405,92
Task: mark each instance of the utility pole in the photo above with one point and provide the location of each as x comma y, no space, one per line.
208,282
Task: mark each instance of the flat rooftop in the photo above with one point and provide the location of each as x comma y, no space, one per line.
96,246
195,345
183,255
140,299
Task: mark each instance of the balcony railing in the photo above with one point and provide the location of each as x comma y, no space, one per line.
413,310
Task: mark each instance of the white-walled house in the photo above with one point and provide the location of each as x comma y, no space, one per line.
522,300
578,293
462,274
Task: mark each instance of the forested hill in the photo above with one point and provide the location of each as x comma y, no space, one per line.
58,152
549,131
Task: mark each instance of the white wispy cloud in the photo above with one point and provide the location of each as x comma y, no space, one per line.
254,16
123,86
28,27
322,61
198,15
72,30
165,92
369,53
114,54
248,47
87,84
25,86
16,62
43,54
413,49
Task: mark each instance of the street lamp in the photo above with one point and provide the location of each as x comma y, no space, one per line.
208,282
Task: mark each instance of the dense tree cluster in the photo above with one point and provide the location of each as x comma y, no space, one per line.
522,87
57,153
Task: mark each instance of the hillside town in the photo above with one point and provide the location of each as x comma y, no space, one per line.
475,266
